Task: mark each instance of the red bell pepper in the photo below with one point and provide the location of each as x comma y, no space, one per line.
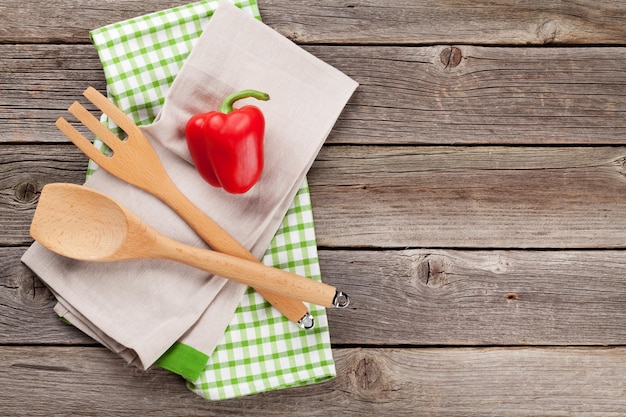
226,146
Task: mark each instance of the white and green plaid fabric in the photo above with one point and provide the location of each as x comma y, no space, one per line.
260,350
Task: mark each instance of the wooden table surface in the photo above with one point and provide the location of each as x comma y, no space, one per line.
471,199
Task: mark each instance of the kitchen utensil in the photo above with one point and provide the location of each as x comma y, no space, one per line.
135,162
84,224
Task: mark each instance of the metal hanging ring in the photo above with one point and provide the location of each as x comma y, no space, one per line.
341,300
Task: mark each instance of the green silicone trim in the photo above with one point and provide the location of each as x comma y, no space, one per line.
183,360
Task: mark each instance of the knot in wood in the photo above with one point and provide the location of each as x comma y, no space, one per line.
621,162
620,166
451,57
511,296
30,290
430,270
26,192
548,32
369,381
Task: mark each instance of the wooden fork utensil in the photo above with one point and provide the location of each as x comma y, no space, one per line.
136,151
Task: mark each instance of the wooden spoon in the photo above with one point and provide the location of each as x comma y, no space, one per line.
84,224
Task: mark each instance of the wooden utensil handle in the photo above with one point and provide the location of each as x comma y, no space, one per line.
254,274
212,233
221,241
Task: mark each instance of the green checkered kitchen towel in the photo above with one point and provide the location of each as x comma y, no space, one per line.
260,350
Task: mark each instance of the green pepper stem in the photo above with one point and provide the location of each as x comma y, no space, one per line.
227,104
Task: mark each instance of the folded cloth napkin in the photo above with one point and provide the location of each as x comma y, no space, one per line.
140,309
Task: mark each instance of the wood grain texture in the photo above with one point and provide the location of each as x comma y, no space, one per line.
477,95
413,298
407,95
447,297
451,21
60,21
364,22
26,315
26,169
395,197
398,382
37,85
472,197
486,277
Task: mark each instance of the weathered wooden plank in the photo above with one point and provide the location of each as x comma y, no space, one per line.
470,197
330,21
413,297
378,196
371,382
26,315
431,21
37,85
407,95
384,197
446,297
479,95
65,21
24,170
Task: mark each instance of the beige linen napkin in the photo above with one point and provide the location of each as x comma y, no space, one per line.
140,308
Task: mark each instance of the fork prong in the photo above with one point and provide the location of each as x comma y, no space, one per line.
111,110
94,125
81,142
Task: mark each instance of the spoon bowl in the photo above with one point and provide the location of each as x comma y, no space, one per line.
64,222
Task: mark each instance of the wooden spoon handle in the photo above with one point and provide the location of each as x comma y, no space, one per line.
254,274
221,241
